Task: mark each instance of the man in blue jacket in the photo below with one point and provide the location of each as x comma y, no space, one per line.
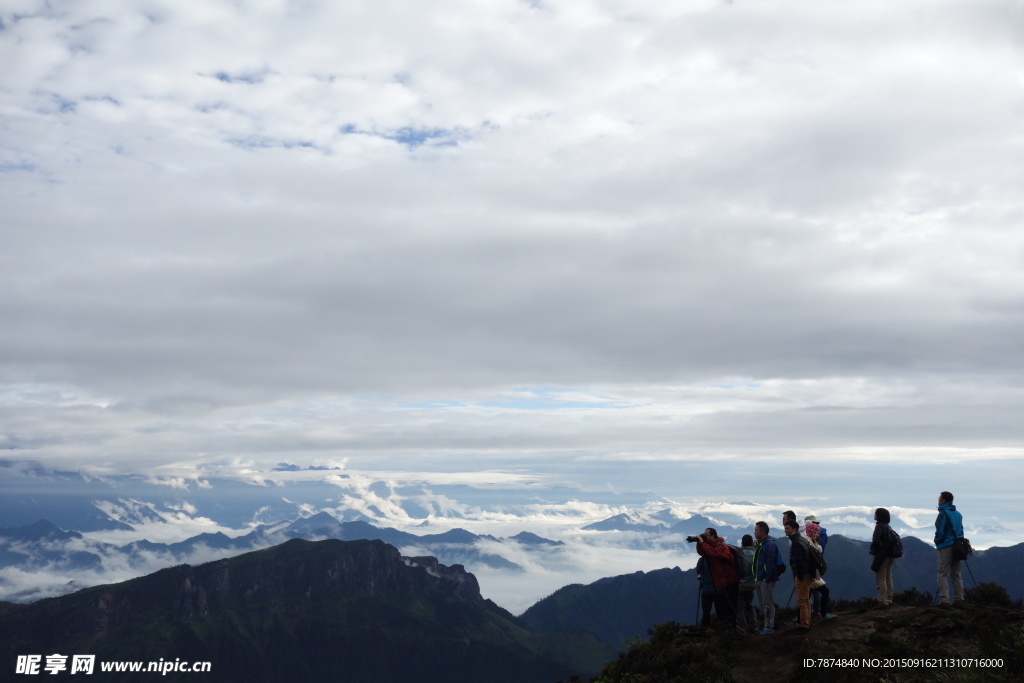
766,573
949,526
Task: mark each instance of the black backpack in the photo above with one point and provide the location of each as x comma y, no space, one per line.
817,560
895,544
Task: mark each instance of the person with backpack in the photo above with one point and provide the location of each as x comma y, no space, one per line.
819,589
765,570
823,532
800,562
746,615
719,561
881,549
822,541
949,526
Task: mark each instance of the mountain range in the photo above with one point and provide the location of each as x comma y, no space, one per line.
43,545
316,608
301,610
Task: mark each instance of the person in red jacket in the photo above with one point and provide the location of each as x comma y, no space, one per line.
718,558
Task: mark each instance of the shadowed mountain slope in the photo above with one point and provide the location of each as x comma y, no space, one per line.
301,611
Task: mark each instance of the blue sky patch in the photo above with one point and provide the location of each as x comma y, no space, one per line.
23,167
261,142
410,136
246,77
414,137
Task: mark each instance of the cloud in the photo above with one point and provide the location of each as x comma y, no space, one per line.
609,245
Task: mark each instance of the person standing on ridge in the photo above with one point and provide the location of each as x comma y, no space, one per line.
718,558
819,589
949,526
746,615
819,542
881,565
822,536
707,592
800,561
766,574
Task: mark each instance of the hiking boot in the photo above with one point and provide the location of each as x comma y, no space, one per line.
765,631
801,631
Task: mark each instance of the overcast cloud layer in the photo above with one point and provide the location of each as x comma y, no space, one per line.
570,238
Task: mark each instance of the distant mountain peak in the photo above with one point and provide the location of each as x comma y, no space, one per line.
527,538
37,531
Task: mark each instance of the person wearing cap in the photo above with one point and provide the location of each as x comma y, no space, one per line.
819,591
823,536
822,541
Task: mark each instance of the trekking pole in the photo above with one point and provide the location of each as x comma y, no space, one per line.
970,572
791,592
696,613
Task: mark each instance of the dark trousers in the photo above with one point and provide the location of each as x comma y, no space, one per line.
823,593
726,600
707,601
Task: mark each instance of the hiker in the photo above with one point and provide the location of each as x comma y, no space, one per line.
766,573
823,536
787,516
819,591
800,562
881,565
822,541
746,615
723,572
949,526
707,592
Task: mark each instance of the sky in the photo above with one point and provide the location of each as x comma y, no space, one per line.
763,251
